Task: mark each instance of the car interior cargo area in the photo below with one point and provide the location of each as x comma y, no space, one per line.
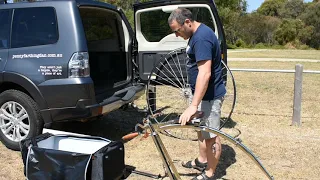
106,45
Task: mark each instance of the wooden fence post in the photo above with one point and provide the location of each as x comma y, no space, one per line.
296,118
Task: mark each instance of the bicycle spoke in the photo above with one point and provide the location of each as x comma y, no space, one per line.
172,96
173,72
223,68
172,83
178,67
174,75
224,76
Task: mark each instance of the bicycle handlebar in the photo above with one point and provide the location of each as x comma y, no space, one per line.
194,119
197,115
130,136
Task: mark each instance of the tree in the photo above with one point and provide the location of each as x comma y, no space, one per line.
235,5
292,9
271,7
286,32
305,34
311,17
293,30
230,12
255,28
127,6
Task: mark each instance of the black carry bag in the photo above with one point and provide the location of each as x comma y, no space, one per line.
69,157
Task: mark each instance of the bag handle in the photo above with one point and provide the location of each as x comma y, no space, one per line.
34,142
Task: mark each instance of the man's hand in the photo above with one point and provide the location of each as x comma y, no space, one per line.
186,115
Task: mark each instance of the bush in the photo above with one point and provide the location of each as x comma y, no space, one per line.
240,43
290,45
231,46
304,47
260,46
278,46
250,46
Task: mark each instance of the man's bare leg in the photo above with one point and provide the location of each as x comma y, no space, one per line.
202,148
213,155
209,155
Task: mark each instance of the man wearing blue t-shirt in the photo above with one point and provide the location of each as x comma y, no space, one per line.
205,79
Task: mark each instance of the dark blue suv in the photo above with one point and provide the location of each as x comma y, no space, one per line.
63,60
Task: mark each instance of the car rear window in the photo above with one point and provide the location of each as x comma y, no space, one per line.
154,24
98,24
34,26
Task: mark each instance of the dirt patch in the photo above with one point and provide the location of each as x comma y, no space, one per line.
287,152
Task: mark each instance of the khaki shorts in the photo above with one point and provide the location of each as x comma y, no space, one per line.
212,115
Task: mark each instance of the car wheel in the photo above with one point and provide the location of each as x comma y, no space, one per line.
19,118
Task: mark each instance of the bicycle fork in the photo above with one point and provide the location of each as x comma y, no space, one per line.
166,159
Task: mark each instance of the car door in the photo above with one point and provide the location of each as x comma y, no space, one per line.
154,36
5,21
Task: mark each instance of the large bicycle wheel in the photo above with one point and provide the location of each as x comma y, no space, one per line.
169,93
191,147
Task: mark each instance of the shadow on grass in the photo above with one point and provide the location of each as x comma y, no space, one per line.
112,126
119,123
228,123
227,158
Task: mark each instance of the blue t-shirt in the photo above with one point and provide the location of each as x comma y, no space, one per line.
204,45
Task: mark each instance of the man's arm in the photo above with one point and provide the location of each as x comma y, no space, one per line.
202,82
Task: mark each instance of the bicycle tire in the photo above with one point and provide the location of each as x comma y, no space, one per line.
236,142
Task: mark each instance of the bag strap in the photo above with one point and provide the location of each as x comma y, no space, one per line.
97,167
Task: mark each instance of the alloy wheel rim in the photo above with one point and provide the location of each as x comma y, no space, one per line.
14,121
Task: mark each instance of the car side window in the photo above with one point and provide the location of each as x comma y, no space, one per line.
34,26
5,17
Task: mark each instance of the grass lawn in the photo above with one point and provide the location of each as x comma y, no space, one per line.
263,115
273,65
273,53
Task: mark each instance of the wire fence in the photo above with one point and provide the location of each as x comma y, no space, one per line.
273,92
273,70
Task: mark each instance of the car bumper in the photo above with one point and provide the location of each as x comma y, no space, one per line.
84,111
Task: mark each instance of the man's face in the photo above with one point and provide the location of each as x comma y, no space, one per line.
181,30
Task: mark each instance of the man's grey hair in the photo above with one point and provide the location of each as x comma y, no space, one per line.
180,15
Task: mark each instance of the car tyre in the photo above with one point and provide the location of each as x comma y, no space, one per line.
20,118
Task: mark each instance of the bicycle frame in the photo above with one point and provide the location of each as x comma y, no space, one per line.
172,172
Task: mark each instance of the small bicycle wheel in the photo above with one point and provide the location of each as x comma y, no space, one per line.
230,97
169,93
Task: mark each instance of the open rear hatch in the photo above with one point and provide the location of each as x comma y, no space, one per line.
154,36
105,41
109,46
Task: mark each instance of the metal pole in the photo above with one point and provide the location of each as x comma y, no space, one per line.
152,98
296,118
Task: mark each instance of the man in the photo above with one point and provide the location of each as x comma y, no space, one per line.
204,71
